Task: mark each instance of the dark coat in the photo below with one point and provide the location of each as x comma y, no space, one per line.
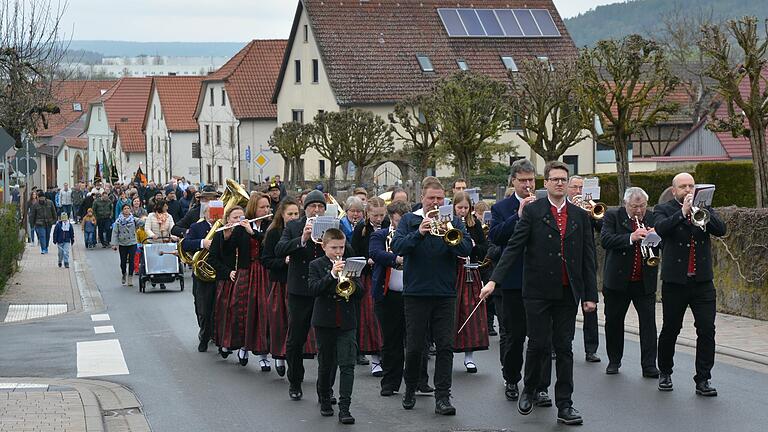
192,216
503,222
222,255
193,236
329,306
620,253
278,269
174,209
42,214
360,241
61,236
537,236
676,231
429,264
481,244
383,261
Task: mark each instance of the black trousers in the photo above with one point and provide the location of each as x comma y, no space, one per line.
551,323
616,306
515,330
439,314
675,299
204,294
498,305
336,348
126,259
105,231
589,327
299,322
391,315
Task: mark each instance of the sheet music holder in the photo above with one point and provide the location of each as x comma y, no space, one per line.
446,212
353,266
332,210
703,195
487,217
323,224
651,240
591,193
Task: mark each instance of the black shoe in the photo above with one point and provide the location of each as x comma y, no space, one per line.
554,355
243,360
362,360
432,351
543,400
665,382
280,370
569,416
345,417
60,266
613,368
224,354
511,392
409,398
425,389
386,392
295,393
326,409
202,346
333,400
443,407
525,403
651,373
265,367
592,358
492,332
705,389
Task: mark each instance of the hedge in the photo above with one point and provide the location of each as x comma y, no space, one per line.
10,241
735,182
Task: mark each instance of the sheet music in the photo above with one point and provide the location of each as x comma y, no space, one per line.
591,193
487,217
474,195
446,212
323,224
651,239
353,266
703,195
541,193
332,210
592,182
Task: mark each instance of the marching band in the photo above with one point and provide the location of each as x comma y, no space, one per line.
277,277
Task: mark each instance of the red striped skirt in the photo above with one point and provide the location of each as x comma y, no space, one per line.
257,316
278,324
474,336
368,329
231,311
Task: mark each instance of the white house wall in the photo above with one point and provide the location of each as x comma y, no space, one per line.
99,137
157,139
254,137
129,163
221,156
182,162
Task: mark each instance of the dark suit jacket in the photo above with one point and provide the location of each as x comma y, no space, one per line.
192,216
383,261
222,255
329,306
278,269
676,231
620,254
503,222
195,233
537,236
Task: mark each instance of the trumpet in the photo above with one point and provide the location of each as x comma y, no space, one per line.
700,217
444,229
226,227
345,288
650,258
595,209
388,246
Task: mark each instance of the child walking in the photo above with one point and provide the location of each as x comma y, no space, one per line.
89,228
63,237
335,321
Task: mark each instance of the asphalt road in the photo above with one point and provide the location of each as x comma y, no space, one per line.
182,389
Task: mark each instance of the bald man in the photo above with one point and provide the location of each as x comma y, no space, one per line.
686,275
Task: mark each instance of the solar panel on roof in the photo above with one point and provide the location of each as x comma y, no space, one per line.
452,22
471,22
527,23
490,23
509,23
545,22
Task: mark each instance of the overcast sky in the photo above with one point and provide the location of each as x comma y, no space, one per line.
200,21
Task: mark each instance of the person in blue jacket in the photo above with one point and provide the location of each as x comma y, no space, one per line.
63,238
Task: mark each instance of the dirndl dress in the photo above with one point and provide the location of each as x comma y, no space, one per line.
474,336
368,330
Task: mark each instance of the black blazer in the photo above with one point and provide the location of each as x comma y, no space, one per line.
180,228
222,255
676,232
481,244
301,256
278,269
328,305
503,224
537,236
197,232
620,254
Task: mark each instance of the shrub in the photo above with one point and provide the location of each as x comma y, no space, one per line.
10,241
735,182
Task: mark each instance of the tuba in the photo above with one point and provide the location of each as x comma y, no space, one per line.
595,209
444,229
345,288
233,196
183,255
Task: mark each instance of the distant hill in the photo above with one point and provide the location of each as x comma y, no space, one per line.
177,49
643,16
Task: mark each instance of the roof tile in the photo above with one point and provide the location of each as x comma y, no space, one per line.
178,98
66,94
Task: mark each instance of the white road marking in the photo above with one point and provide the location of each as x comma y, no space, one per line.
21,312
13,386
100,358
100,317
103,329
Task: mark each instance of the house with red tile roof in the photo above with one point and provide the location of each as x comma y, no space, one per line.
236,116
170,128
114,127
370,55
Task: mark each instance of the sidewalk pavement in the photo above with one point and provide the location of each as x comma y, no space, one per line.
68,405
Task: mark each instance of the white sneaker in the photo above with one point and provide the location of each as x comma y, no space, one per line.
130,280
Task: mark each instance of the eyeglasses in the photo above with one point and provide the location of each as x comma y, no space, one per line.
558,180
528,180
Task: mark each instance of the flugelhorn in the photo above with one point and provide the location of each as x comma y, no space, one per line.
345,288
647,251
444,229
595,209
700,217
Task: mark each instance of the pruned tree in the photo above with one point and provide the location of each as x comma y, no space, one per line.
543,96
743,86
30,52
417,130
472,112
623,87
330,136
371,140
291,141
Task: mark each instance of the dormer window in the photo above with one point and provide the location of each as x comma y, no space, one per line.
462,64
425,63
509,63
77,107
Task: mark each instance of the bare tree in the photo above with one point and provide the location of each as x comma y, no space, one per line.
742,86
31,49
291,141
331,138
418,131
544,98
371,140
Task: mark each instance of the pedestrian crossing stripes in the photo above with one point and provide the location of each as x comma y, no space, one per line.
100,358
100,317
22,312
103,329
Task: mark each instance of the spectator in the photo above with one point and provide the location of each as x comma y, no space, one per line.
89,229
64,237
174,207
137,209
123,200
42,217
159,223
78,195
102,209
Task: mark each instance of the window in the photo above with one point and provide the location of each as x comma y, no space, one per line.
207,134
154,112
517,122
101,145
572,162
315,71
231,136
218,135
152,144
306,33
211,102
221,175
509,63
234,172
545,63
209,171
425,63
298,116
322,168
77,107
66,156
98,113
462,64
297,66
223,97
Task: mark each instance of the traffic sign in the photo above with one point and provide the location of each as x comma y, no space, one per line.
22,152
261,160
6,142
248,154
20,165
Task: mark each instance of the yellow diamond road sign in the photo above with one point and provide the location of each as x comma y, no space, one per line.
261,160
